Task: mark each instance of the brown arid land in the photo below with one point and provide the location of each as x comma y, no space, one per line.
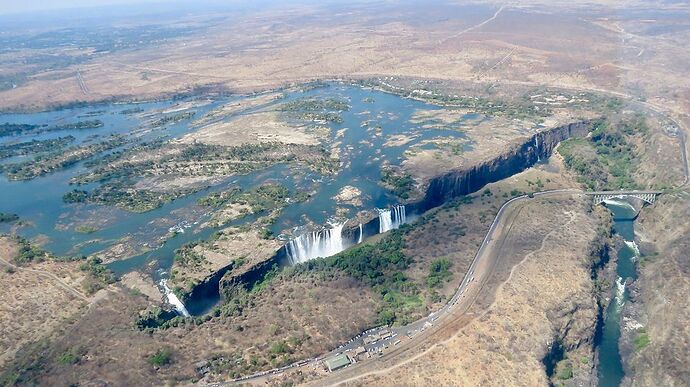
627,51
534,290
657,332
537,288
38,300
543,293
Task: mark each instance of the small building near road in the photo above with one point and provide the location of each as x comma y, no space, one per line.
360,351
338,362
372,339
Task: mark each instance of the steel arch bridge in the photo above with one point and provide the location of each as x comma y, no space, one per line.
646,196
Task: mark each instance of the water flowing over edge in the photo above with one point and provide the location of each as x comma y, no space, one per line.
315,244
173,300
391,218
622,203
329,241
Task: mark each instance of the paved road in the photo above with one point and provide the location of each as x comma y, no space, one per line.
452,316
408,342
442,325
474,27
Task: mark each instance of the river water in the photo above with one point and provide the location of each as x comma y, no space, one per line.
361,138
610,369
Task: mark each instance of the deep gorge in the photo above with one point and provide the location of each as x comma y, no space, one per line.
439,190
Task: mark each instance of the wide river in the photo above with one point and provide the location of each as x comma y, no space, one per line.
361,138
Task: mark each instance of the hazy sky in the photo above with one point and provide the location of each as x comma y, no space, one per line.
14,6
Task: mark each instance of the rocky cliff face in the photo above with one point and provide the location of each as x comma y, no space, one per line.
655,329
439,190
469,180
514,160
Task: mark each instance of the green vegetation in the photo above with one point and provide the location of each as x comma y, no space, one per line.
438,273
154,318
121,176
316,109
315,104
54,161
9,129
85,229
162,357
172,119
401,185
520,109
34,146
98,276
5,217
216,160
266,233
185,256
132,110
566,371
75,196
71,357
28,252
89,124
134,200
607,159
641,340
260,199
380,266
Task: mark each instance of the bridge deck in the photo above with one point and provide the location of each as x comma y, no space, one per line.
622,192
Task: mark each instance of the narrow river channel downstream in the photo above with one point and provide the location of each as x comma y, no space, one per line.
610,370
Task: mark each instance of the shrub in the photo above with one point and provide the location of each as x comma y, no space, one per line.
70,357
642,340
162,357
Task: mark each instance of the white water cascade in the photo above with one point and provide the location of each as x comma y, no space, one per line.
359,240
633,247
536,144
324,243
620,291
620,202
173,300
391,218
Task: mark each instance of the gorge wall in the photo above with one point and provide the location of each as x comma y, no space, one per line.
440,189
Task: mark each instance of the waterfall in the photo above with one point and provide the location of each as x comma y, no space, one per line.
360,234
620,292
385,221
324,243
391,218
536,145
173,300
623,203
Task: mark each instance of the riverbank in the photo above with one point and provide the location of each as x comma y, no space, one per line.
655,340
